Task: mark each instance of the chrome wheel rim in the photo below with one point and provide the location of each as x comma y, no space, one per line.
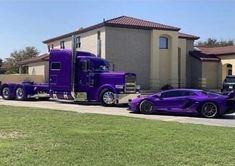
108,97
146,107
6,92
209,110
19,93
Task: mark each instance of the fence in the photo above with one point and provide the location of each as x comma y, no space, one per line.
18,78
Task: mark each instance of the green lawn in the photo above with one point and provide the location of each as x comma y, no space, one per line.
30,136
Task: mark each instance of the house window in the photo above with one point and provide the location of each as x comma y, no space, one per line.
78,42
62,44
48,48
163,42
98,35
55,66
98,44
229,69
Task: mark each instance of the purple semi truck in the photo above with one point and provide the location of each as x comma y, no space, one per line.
77,76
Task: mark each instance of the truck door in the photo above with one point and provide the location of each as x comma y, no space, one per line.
83,75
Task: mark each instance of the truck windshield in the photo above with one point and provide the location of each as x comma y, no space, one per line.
230,79
101,66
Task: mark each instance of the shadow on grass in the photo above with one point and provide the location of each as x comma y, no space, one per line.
86,103
190,115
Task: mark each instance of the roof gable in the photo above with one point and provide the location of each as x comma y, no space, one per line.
126,22
40,58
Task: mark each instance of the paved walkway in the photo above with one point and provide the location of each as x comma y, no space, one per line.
226,121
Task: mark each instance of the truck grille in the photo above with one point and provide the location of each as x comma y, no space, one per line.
130,83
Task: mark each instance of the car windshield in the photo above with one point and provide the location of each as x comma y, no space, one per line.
101,66
230,79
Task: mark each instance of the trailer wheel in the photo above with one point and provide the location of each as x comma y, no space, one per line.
108,98
20,94
6,94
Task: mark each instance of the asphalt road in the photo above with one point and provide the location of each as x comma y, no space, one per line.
226,121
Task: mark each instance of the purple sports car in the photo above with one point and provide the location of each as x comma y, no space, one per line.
193,101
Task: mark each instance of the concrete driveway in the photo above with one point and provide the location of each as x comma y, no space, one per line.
226,121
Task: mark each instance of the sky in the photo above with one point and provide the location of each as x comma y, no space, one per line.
28,23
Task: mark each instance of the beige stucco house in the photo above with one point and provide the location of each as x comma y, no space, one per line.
157,53
210,66
37,66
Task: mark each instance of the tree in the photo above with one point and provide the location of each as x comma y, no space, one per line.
11,64
1,66
215,43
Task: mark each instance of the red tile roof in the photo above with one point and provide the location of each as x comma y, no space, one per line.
226,50
204,57
187,36
126,22
40,58
138,23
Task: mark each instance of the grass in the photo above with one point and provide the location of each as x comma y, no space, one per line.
30,136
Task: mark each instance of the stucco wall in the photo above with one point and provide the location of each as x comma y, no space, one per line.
210,74
159,57
189,65
196,72
40,68
129,50
88,41
165,66
182,46
227,59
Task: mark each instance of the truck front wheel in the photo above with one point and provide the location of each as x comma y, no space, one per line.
108,98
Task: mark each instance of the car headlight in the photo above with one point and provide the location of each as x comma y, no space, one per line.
119,86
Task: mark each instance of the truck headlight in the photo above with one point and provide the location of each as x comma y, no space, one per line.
119,86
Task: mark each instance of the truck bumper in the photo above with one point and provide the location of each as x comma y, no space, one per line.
124,98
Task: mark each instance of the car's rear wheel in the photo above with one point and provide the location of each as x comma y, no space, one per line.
209,110
146,107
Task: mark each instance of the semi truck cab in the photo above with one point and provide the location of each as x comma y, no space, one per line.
86,77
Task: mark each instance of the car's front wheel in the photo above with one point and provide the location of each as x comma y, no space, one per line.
209,110
146,107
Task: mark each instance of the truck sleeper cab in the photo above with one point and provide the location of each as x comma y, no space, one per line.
92,79
79,77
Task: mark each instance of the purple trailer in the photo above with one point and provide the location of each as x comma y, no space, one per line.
77,76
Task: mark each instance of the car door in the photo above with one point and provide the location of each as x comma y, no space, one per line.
172,101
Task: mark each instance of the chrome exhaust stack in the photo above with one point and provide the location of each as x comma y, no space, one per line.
73,67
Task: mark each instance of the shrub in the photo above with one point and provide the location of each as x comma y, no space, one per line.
166,87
